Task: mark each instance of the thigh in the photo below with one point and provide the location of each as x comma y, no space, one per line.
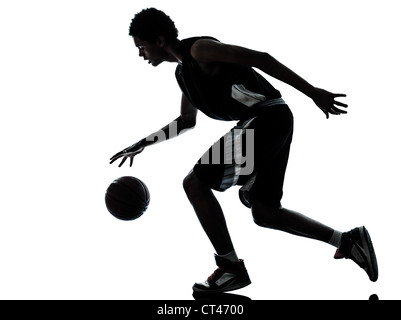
269,182
216,168
257,144
222,164
272,148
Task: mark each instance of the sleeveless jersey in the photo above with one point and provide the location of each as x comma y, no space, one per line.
236,92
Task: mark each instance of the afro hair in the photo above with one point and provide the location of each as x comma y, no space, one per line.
151,23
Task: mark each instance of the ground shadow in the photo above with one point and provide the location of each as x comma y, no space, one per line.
220,297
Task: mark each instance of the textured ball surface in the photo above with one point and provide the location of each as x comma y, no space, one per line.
127,198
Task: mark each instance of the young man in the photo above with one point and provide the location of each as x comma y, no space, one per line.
219,80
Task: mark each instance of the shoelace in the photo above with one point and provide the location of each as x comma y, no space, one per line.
216,273
355,252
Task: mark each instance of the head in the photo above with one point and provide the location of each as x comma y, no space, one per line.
153,31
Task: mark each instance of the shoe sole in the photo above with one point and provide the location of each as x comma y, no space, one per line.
373,270
235,286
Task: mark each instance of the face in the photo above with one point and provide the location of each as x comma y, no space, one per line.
152,52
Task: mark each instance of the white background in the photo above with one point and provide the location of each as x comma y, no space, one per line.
74,92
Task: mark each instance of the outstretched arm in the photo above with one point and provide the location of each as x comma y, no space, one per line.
183,123
209,51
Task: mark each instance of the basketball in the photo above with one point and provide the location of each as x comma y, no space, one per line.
127,198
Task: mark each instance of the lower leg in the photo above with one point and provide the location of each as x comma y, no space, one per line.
293,222
209,213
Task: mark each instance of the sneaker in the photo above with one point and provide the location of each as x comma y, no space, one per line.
357,246
229,276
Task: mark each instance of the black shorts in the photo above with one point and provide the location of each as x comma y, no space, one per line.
256,149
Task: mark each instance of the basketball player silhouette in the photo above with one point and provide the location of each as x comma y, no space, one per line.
220,80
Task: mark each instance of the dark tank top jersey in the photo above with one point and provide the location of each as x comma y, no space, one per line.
236,92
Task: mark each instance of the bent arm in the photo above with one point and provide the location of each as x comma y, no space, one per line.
186,121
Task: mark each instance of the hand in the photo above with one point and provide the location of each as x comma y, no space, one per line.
129,152
326,102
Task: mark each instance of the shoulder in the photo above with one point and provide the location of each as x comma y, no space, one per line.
212,50
192,40
201,46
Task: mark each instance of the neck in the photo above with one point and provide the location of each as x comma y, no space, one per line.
174,54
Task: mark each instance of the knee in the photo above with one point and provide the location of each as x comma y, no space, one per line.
266,216
190,183
268,220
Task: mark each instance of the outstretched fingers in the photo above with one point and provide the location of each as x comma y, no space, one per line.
327,102
337,111
332,109
116,156
122,161
338,103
